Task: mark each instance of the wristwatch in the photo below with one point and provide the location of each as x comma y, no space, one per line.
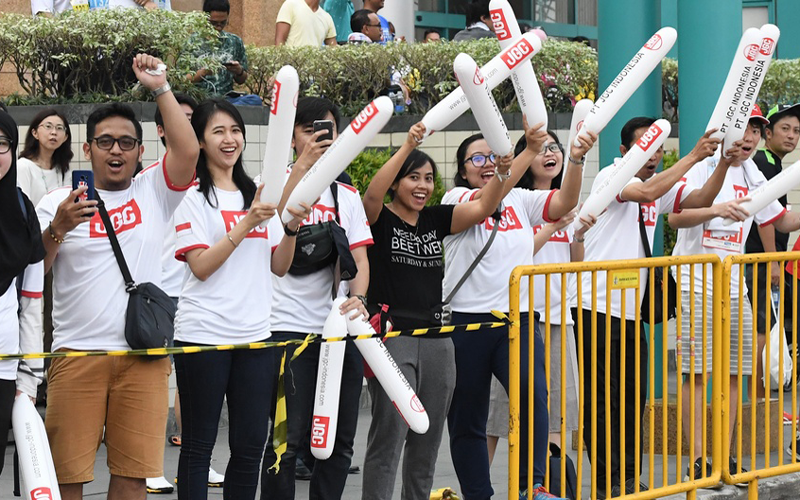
162,89
288,231
502,177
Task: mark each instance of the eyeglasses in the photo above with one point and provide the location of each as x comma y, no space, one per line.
50,127
5,145
374,25
479,160
552,147
106,142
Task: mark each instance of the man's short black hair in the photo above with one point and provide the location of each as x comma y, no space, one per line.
110,111
315,108
359,19
428,32
182,99
216,6
476,10
628,132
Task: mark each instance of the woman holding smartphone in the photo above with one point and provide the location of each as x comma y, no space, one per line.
226,299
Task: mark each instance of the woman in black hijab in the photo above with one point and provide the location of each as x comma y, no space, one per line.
21,249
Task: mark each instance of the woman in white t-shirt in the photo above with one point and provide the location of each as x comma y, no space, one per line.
482,353
226,299
44,161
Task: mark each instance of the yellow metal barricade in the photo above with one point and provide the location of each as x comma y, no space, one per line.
624,279
767,456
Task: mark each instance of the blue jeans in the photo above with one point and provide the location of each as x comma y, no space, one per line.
479,354
205,379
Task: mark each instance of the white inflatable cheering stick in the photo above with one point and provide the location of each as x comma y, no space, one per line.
735,84
579,113
392,380
279,139
628,80
482,104
770,191
338,156
329,382
758,58
624,171
526,85
495,71
39,481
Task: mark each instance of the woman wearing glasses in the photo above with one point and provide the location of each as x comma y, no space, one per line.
407,255
44,161
484,352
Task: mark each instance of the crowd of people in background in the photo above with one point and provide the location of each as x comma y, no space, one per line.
193,222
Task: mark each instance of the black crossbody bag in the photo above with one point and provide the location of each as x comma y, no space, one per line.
658,285
151,312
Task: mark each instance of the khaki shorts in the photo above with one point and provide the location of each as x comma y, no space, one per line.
127,396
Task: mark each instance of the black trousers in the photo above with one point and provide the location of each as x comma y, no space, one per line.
8,390
618,406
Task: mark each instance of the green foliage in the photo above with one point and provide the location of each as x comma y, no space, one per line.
86,56
369,161
669,88
671,157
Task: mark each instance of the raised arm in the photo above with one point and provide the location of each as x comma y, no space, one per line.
658,185
566,198
181,140
696,216
704,196
466,215
383,179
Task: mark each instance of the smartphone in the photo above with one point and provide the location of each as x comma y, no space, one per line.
83,178
324,125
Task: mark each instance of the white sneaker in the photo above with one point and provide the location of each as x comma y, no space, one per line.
215,479
159,485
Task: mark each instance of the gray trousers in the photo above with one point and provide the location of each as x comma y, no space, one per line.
429,366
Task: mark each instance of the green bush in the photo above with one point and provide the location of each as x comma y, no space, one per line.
86,56
369,161
671,157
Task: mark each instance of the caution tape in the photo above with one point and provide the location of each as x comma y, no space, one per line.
163,351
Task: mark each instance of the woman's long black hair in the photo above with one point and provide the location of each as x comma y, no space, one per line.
416,160
526,182
202,115
62,155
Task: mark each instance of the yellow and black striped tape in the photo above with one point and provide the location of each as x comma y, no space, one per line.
163,351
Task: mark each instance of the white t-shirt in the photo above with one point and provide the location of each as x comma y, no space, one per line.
37,182
555,251
233,305
487,286
10,328
89,298
616,236
302,303
51,6
712,236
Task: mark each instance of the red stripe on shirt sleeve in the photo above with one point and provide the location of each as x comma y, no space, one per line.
546,211
620,200
676,208
364,243
32,295
772,220
180,254
170,185
185,225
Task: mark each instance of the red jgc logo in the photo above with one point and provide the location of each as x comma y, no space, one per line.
232,217
416,404
559,236
508,221
478,78
41,493
767,45
648,138
500,26
654,43
751,51
276,97
364,117
649,215
122,218
740,191
319,431
515,54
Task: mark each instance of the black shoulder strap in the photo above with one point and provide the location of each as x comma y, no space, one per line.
335,194
496,216
112,237
643,233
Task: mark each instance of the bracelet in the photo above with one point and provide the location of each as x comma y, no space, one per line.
289,232
231,240
578,240
362,298
53,235
577,162
162,89
502,177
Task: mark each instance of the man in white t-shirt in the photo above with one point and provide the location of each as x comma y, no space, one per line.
702,231
300,305
122,400
617,236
